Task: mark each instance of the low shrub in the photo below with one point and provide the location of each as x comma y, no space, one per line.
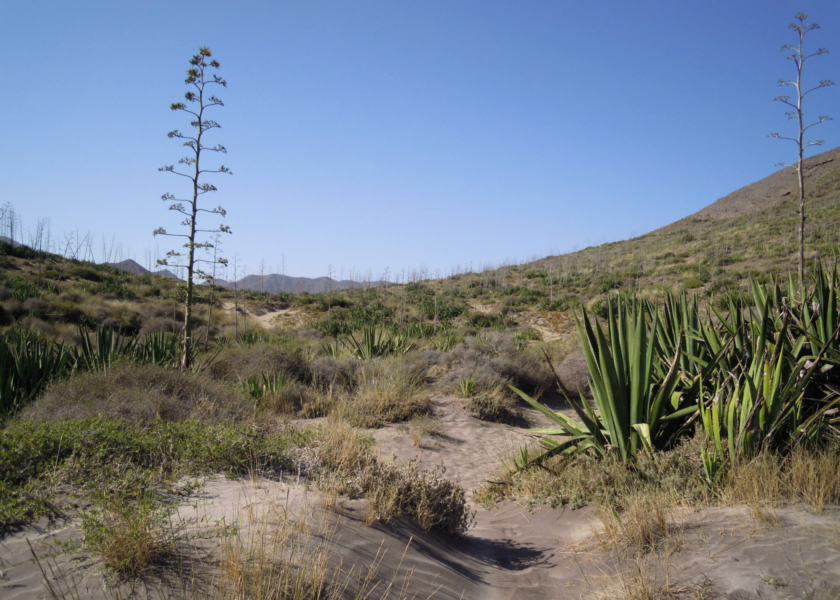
130,535
84,272
496,406
331,372
346,463
136,393
243,362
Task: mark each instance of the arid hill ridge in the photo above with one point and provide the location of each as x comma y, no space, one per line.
752,231
773,189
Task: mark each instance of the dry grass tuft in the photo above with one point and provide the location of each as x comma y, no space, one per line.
637,583
130,537
345,463
495,405
640,528
675,475
815,477
386,390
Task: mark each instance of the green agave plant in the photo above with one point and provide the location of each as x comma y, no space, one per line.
445,342
636,409
27,364
373,344
106,345
773,392
259,387
160,348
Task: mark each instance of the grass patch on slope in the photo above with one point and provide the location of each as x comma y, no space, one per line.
42,465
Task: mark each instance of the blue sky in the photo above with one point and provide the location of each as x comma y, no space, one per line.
366,135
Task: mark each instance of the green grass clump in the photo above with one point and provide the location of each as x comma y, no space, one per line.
95,455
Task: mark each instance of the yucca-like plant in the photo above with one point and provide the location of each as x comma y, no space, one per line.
370,345
417,330
27,364
445,342
635,408
264,385
682,326
20,287
159,348
333,348
818,317
772,392
466,387
401,343
373,344
107,345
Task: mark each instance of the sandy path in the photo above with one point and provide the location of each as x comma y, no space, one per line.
286,318
511,552
471,450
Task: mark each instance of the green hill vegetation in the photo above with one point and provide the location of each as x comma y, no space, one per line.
692,373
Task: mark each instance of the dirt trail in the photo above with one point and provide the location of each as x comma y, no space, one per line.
285,318
471,450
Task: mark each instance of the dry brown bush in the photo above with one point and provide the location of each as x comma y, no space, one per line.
344,462
139,393
496,406
239,363
493,361
289,399
339,373
574,374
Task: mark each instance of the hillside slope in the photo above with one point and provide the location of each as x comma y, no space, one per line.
752,231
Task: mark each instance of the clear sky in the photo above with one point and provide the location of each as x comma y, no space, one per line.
366,135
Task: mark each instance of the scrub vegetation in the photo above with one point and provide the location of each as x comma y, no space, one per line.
698,380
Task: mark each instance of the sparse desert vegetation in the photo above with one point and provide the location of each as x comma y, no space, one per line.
663,405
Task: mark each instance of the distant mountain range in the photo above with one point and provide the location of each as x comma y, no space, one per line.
134,267
275,283
7,240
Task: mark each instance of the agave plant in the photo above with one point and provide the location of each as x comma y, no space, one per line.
159,348
27,364
769,396
400,343
466,387
265,385
445,342
373,344
818,318
635,408
332,348
107,345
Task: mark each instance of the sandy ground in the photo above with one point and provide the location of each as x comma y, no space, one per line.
286,318
551,325
511,552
